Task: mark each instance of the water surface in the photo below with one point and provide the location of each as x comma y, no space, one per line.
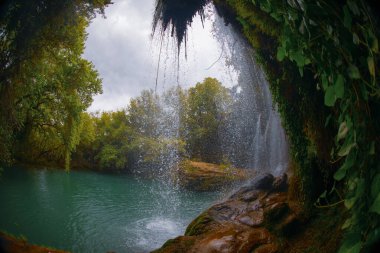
92,212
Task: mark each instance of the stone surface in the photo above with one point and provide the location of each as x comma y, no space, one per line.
248,221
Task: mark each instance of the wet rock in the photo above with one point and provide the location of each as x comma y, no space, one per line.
276,211
243,223
267,248
280,184
263,182
253,219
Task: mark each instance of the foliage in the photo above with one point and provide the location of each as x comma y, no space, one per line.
334,49
208,105
44,82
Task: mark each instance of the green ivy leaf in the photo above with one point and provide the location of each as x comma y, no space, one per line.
355,39
346,148
325,82
299,58
341,173
339,86
371,65
342,132
372,148
347,224
375,45
281,53
353,72
376,205
330,97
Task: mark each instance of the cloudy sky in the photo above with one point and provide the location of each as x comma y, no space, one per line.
126,56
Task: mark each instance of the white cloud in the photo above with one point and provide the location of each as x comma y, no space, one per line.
121,48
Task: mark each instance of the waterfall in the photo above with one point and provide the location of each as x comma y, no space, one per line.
258,139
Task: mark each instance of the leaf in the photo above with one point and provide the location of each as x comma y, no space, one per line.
342,132
345,149
341,173
353,72
330,97
352,243
339,86
281,53
371,66
372,148
375,45
325,82
347,224
355,39
376,205
347,19
299,58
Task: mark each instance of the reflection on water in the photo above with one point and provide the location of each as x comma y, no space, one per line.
91,212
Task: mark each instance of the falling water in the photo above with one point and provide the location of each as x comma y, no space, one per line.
258,140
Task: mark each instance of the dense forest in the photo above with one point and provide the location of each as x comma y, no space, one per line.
320,58
197,124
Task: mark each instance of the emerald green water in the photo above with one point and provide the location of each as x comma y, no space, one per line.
92,212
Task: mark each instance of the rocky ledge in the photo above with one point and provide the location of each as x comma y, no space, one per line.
201,176
258,218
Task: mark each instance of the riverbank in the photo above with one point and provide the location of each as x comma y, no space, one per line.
11,244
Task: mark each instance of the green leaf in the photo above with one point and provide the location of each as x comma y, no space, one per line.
355,39
372,148
353,72
341,173
347,19
281,53
371,65
325,82
342,132
339,86
299,58
375,45
376,205
347,224
330,97
352,243
345,150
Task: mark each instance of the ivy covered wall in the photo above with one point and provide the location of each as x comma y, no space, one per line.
321,59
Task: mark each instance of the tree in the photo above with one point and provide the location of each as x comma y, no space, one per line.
208,105
45,85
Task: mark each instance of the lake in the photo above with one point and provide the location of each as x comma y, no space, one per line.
84,211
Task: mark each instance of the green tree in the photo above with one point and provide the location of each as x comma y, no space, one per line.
44,82
208,106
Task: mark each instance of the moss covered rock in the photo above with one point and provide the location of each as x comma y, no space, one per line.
257,220
201,176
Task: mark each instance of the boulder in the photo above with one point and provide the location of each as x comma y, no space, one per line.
248,221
